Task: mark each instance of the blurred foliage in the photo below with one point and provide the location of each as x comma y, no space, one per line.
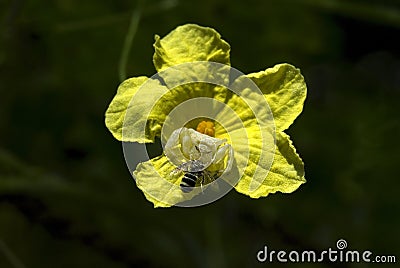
66,196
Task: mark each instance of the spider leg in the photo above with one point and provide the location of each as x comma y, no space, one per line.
203,179
208,174
221,153
176,171
212,177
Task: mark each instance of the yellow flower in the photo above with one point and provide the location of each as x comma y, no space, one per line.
210,112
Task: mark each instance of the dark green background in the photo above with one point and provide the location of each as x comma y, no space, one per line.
67,198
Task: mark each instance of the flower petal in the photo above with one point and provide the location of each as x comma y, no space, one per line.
285,90
157,183
190,43
183,103
116,111
127,114
252,137
286,173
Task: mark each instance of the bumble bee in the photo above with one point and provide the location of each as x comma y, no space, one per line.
194,172
190,179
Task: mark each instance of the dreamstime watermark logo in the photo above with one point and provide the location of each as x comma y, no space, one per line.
340,254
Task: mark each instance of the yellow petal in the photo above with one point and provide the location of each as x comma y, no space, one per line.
116,111
188,43
252,136
285,90
182,104
286,173
157,183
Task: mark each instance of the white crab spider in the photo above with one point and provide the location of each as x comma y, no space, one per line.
199,156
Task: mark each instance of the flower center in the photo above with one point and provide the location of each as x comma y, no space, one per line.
206,127
187,146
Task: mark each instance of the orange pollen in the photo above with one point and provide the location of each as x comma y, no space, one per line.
206,127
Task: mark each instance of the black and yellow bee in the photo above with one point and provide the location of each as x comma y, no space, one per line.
194,173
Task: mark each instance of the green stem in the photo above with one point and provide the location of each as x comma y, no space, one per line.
137,13
15,262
